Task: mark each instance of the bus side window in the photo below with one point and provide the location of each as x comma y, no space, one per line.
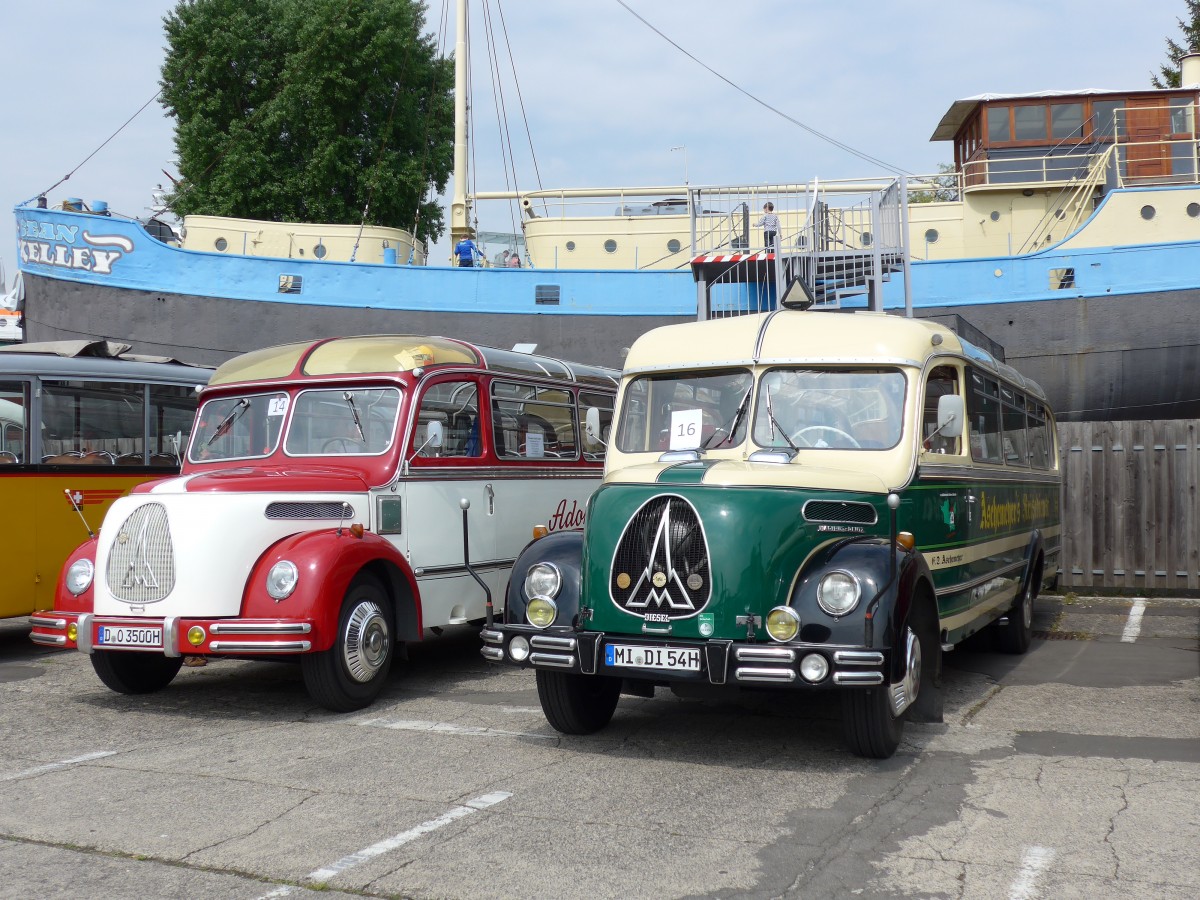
943,380
93,422
14,438
595,450
983,414
454,404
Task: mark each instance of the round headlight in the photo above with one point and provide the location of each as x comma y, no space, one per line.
79,576
814,667
518,649
541,612
838,593
282,578
782,623
543,580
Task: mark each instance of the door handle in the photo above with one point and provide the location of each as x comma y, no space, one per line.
491,497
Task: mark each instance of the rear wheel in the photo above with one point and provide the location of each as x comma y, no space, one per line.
1015,635
351,673
577,704
129,672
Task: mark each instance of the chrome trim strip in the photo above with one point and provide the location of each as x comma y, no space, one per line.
495,654
771,675
260,646
980,579
46,622
433,571
49,640
858,657
557,660
260,628
546,642
858,678
171,636
83,638
971,473
764,654
492,637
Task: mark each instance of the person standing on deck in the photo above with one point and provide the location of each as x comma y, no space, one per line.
769,224
467,253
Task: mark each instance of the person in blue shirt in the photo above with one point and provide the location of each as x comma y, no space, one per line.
467,252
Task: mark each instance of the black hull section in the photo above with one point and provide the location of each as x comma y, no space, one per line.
1101,358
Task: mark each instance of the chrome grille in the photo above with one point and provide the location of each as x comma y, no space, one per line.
662,563
840,512
141,563
312,510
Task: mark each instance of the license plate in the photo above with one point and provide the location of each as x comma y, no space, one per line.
128,636
678,659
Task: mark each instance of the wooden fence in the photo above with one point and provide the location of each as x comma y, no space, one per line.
1131,506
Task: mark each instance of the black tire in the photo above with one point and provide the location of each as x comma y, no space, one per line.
577,704
130,672
868,723
1015,635
351,673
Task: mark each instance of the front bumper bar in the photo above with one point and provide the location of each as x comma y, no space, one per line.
721,661
223,637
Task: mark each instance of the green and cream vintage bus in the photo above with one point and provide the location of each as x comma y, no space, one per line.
795,501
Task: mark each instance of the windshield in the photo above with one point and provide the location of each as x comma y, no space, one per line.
343,422
238,427
685,411
836,409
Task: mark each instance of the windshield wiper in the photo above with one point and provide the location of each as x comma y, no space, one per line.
733,427
238,408
775,423
349,398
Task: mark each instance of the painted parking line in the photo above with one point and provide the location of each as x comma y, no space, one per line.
450,728
1033,861
1133,627
62,764
469,808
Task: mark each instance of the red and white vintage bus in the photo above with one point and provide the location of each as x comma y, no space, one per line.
322,509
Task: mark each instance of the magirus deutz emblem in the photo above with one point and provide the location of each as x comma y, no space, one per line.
660,570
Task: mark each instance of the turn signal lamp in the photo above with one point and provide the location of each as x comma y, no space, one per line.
196,635
539,532
906,540
356,530
782,623
72,631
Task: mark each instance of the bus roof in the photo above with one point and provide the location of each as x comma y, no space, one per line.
792,336
29,359
392,353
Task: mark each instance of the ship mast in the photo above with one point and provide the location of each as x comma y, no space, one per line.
460,222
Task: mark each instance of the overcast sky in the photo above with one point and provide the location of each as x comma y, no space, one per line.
606,97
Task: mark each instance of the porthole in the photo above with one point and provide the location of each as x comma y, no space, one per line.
1193,209
867,238
1058,214
995,215
221,244
931,236
570,246
610,246
319,251
1147,212
673,246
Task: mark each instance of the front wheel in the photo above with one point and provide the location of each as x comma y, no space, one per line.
130,672
1016,634
577,704
351,673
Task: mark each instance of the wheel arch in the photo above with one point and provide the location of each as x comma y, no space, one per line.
565,550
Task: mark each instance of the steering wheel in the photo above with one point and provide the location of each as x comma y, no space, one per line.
344,445
799,435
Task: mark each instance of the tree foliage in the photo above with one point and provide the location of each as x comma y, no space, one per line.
1169,76
309,111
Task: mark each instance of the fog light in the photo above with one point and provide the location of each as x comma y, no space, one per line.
541,611
782,623
72,631
518,649
196,635
814,667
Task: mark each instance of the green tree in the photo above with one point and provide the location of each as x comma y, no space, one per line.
1168,76
309,111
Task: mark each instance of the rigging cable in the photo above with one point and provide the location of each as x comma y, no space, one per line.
507,155
831,140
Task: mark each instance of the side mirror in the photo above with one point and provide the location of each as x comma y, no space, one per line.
591,426
433,435
950,414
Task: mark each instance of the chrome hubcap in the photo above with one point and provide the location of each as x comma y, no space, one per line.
366,644
1027,608
905,691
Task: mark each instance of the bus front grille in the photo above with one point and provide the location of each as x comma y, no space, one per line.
141,563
